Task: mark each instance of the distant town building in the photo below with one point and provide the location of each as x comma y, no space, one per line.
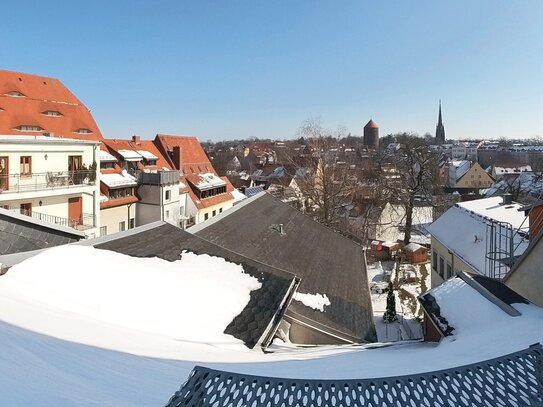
371,135
440,130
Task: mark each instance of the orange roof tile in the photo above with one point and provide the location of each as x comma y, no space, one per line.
134,144
43,94
193,157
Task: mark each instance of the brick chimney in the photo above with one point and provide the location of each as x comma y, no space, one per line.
177,160
136,139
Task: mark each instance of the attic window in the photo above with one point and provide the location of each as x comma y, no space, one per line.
52,113
14,93
26,127
82,131
191,170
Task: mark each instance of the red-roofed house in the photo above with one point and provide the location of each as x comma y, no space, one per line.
207,194
33,105
138,185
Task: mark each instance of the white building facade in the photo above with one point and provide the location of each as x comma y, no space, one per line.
55,180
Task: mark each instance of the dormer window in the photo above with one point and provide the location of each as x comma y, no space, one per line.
82,131
151,162
14,93
51,113
26,127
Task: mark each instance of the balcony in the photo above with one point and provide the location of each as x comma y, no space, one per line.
14,183
158,177
87,221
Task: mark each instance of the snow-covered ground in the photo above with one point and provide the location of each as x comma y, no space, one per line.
407,327
68,351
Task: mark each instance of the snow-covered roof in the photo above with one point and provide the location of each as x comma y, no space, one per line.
130,155
463,229
209,180
106,157
69,334
117,180
413,247
461,167
493,208
391,223
147,155
238,196
512,170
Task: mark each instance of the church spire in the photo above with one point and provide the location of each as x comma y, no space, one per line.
440,130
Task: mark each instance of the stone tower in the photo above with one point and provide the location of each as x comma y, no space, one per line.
371,135
440,130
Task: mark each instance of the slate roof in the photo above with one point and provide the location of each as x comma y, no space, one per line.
21,235
167,242
327,262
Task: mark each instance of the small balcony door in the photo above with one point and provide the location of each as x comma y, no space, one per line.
26,209
75,162
4,173
75,211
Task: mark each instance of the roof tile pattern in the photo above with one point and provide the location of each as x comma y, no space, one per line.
17,236
327,262
40,95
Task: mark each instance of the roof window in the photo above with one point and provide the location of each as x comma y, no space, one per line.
52,113
27,127
14,93
82,131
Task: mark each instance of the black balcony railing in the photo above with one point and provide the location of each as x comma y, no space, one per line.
86,221
45,180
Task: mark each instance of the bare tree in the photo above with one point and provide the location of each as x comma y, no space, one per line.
416,176
327,182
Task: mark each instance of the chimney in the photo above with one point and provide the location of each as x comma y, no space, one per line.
177,160
136,139
507,199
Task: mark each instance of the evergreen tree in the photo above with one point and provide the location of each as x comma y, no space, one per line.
390,313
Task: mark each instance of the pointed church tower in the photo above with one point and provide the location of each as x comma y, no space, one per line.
440,130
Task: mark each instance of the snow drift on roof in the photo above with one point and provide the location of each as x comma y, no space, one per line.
209,180
191,299
117,180
129,155
147,155
106,157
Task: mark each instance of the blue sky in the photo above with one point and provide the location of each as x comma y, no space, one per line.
236,69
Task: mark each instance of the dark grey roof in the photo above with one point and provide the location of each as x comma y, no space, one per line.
18,234
511,380
327,262
499,290
167,242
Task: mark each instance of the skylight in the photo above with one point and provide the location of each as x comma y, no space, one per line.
82,131
26,127
14,93
52,113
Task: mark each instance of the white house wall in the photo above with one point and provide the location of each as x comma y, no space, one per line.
50,156
154,205
111,217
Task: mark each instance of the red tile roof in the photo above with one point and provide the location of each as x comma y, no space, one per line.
42,94
193,156
194,161
134,144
